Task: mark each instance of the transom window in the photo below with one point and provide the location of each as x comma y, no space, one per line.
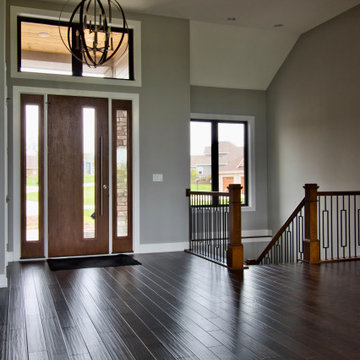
41,50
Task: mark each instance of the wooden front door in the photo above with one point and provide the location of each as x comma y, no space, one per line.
78,209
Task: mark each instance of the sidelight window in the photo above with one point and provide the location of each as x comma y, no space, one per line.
122,180
32,234
32,171
89,172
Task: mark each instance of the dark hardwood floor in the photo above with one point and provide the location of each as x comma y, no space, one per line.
178,306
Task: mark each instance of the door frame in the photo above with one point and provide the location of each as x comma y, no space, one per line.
15,182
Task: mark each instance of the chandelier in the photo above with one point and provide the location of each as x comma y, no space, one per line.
90,38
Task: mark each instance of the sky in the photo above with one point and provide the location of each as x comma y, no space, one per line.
201,135
89,130
32,129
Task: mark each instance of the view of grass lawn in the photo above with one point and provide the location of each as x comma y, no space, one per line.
33,181
87,216
200,187
32,196
89,195
89,179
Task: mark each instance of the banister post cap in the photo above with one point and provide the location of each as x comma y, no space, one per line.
234,186
310,186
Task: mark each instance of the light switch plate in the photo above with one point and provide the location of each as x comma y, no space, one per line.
158,178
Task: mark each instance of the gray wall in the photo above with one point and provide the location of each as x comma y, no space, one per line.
164,126
241,102
2,141
164,129
313,115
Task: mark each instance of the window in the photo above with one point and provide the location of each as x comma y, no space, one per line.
89,176
41,50
122,175
32,234
219,155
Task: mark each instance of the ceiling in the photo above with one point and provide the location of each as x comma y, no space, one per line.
240,22
296,15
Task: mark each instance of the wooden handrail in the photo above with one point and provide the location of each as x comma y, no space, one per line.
278,234
214,193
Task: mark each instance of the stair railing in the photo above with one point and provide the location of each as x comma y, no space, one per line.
339,225
215,226
286,245
324,227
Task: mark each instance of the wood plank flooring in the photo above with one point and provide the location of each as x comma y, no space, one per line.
179,306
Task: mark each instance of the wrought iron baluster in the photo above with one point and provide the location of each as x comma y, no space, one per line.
325,230
355,227
290,256
332,227
216,235
297,239
343,227
349,228
337,228
319,217
358,222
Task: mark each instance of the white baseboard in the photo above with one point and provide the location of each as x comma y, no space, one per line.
257,240
257,233
3,281
166,247
9,256
256,236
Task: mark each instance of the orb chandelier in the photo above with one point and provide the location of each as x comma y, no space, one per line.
90,38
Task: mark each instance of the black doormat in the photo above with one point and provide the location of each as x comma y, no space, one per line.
94,261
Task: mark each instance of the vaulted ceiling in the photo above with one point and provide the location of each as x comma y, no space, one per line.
273,25
296,15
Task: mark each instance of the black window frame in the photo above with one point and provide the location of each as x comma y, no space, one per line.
215,153
77,66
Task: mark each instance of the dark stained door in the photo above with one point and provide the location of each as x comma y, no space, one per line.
78,214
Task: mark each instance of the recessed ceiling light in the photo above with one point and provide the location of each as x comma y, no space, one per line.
278,25
231,19
43,34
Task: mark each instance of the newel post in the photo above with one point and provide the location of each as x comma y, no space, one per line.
235,251
311,244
